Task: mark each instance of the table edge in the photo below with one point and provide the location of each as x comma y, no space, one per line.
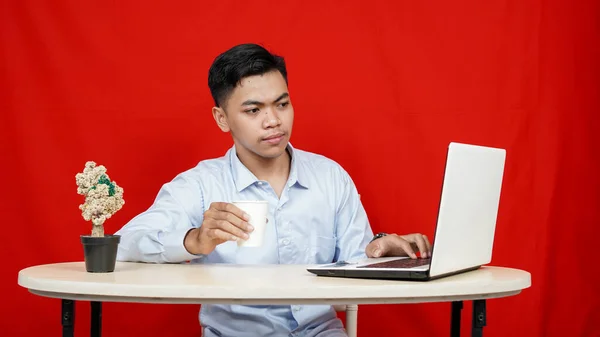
275,301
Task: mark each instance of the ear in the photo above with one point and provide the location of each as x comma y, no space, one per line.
220,118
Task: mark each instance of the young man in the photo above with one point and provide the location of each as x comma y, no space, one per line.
315,214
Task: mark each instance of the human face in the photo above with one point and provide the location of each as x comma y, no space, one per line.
259,115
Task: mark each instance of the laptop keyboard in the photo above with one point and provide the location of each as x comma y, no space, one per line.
401,263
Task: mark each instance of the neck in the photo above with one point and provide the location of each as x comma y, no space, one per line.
266,168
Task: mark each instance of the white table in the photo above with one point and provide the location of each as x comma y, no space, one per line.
259,284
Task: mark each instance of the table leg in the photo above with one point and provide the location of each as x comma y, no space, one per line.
96,326
455,318
68,317
479,318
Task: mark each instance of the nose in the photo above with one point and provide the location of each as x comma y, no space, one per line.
271,118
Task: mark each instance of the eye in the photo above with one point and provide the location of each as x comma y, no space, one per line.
283,104
252,111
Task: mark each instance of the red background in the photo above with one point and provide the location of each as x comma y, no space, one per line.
381,87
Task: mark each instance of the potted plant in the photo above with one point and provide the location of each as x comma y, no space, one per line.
103,198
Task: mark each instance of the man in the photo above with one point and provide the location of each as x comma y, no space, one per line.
315,213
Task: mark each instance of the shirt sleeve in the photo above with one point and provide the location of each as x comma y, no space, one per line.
352,224
157,235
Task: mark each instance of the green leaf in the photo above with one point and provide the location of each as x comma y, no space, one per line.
111,186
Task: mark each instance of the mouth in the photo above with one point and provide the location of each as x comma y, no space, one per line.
274,138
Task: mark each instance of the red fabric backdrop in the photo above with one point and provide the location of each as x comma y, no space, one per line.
381,87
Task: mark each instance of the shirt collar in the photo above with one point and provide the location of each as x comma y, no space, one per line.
297,172
242,177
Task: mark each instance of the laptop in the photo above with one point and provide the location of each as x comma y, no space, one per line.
465,228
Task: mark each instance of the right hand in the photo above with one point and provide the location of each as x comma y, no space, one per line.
222,222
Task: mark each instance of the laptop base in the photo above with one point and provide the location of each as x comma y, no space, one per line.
400,275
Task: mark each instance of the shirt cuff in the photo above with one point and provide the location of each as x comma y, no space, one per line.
174,249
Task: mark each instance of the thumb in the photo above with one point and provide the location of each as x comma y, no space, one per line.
392,245
377,248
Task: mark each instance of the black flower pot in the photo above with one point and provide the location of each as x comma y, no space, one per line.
100,253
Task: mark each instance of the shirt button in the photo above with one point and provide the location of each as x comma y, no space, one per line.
286,242
296,309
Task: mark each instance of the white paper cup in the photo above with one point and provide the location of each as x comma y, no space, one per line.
257,210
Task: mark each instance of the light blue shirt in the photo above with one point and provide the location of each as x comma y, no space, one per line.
318,219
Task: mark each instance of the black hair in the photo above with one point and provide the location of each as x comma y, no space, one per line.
241,61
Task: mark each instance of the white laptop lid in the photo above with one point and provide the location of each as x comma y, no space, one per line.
468,208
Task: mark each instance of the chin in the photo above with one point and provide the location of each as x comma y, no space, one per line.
272,152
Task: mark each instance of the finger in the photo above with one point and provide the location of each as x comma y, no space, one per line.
218,206
232,230
230,208
218,234
374,249
393,245
234,220
233,209
428,245
408,249
421,245
220,212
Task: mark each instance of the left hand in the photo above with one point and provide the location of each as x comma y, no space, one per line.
400,245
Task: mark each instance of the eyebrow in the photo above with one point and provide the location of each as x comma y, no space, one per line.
253,102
